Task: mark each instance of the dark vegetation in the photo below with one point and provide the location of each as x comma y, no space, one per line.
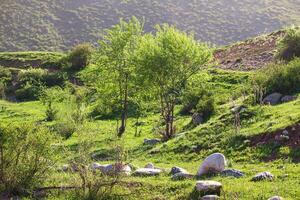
61,24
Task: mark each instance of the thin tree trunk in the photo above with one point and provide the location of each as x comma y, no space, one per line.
125,109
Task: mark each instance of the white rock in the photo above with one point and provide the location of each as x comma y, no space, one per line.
176,170
208,187
95,166
212,164
150,166
210,197
276,198
65,168
147,172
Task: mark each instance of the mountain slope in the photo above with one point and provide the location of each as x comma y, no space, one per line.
59,24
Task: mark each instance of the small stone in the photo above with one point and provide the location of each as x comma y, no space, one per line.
285,132
65,168
182,176
273,99
263,176
210,197
233,173
147,172
149,166
276,198
209,187
151,142
197,119
287,98
176,170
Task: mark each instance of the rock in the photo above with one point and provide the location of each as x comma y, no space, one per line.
65,168
95,166
281,138
214,163
285,132
149,166
287,98
273,99
147,172
115,168
208,187
210,197
151,142
182,176
263,176
238,109
106,169
176,170
232,172
197,119
276,198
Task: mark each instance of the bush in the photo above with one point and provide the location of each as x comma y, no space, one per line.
197,99
80,56
289,46
55,79
26,156
5,75
28,92
31,75
64,129
283,78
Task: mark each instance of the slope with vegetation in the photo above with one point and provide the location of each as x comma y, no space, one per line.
58,25
157,83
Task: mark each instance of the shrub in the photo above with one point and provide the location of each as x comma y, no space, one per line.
64,129
5,75
80,56
197,99
26,156
31,75
28,92
55,79
283,78
289,46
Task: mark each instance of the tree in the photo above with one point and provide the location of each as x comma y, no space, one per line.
115,66
80,56
165,62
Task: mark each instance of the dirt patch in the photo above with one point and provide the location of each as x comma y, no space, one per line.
288,137
249,55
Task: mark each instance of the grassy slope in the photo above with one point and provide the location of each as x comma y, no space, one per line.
53,24
217,135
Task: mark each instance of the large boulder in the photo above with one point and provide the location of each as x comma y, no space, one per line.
263,176
208,188
232,172
273,99
151,142
214,163
147,172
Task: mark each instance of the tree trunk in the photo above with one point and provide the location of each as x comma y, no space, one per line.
124,110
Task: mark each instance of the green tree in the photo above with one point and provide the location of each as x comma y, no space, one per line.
115,66
165,63
80,56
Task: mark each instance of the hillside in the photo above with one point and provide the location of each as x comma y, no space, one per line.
57,25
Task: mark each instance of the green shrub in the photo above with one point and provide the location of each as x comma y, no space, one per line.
55,79
289,46
80,56
64,129
5,75
32,75
198,99
26,156
28,92
283,78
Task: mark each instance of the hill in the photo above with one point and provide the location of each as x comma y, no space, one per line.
57,25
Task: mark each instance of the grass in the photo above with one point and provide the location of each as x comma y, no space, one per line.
188,149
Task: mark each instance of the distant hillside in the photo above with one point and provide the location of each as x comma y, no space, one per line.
59,24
